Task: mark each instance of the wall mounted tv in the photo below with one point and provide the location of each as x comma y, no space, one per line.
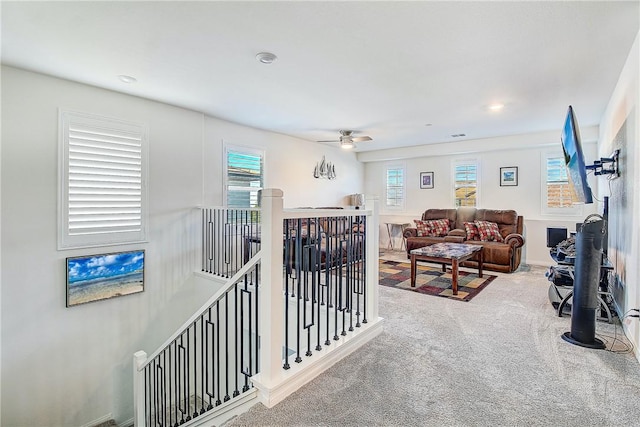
574,160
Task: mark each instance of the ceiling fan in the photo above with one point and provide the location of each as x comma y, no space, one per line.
347,139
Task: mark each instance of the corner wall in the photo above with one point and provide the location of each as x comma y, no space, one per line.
620,129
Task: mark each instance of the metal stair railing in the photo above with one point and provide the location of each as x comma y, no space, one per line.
206,362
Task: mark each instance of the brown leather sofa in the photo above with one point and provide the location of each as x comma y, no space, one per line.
498,256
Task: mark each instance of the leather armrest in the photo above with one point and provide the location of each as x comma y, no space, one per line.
515,240
410,232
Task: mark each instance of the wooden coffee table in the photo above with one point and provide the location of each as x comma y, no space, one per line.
447,254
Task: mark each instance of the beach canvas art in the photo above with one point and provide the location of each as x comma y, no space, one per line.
97,277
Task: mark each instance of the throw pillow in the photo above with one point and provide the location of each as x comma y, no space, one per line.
489,231
432,227
472,231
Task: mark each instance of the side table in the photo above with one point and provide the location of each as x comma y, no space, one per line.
393,225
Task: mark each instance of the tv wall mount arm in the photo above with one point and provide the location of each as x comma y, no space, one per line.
606,165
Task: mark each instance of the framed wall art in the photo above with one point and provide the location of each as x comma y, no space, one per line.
426,179
97,277
509,176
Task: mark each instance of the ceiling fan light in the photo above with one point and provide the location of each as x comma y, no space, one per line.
346,144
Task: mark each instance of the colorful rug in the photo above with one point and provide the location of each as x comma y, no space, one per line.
432,280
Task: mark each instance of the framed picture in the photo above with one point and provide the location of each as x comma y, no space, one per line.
426,179
509,176
97,277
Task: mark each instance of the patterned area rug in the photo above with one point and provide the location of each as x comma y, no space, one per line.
432,280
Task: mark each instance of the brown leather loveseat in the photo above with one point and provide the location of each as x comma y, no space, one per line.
498,231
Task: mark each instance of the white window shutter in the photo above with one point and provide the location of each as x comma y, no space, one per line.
103,182
559,193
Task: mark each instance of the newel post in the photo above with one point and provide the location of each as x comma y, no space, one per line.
271,310
372,231
139,359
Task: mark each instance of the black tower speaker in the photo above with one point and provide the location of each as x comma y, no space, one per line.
585,287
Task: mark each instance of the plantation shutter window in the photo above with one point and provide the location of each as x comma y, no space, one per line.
244,178
466,184
103,162
395,187
559,193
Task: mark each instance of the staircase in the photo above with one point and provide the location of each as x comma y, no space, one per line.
300,297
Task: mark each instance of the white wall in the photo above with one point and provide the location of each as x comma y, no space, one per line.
491,154
71,366
620,129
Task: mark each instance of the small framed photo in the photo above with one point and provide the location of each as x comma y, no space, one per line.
97,277
509,176
426,179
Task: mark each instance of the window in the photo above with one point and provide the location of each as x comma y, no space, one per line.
557,192
395,188
102,187
244,177
465,184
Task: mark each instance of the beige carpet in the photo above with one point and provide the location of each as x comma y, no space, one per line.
497,360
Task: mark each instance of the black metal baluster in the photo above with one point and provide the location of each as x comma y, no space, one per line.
226,346
287,259
147,395
249,371
364,279
238,332
328,259
164,388
218,402
155,390
203,361
209,358
317,280
176,369
257,337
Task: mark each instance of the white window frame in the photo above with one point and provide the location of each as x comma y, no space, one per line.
126,221
463,162
244,150
572,210
401,205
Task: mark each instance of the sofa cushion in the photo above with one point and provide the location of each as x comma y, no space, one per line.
472,231
434,227
489,231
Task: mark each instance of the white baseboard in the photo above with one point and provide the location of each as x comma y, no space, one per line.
102,419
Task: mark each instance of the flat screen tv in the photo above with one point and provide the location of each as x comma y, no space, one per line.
574,160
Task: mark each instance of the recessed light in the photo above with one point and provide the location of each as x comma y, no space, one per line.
496,107
266,57
127,79
429,124
458,135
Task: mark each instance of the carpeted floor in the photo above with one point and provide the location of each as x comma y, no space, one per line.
497,360
432,280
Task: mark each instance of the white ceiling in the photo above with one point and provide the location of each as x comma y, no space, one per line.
385,69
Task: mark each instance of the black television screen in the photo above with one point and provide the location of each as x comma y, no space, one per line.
574,160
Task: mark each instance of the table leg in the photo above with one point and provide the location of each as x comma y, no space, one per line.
413,271
454,276
390,245
480,262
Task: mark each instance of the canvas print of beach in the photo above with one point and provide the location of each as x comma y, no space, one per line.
99,277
